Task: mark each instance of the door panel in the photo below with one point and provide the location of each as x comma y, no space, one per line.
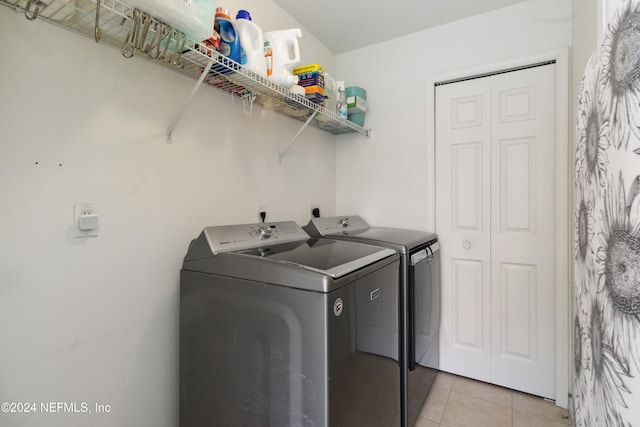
463,222
469,350
494,216
466,112
518,311
517,185
466,171
518,104
467,284
522,230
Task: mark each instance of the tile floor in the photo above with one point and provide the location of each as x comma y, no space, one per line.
461,402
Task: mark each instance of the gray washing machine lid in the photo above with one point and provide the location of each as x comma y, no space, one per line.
292,258
334,258
354,228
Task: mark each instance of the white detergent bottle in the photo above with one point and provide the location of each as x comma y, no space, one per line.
282,55
252,43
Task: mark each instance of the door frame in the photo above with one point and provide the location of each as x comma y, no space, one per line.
562,190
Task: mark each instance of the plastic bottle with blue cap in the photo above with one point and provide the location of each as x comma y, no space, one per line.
229,40
251,43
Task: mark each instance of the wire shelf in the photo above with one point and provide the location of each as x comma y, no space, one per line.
137,34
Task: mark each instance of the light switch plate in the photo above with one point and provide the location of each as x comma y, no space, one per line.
80,209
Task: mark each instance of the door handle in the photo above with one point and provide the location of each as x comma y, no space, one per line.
466,245
419,256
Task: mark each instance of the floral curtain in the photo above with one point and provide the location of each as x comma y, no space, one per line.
607,232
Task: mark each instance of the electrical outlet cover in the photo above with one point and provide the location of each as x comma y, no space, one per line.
80,209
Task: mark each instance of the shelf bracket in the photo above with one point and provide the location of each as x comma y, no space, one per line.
297,134
186,104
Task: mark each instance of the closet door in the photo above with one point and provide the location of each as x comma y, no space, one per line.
463,224
522,226
494,216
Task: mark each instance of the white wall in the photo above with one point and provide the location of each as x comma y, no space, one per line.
96,319
586,28
385,178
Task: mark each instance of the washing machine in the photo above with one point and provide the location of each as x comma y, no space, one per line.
279,329
419,298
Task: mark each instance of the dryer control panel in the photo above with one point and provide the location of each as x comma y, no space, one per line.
226,238
327,226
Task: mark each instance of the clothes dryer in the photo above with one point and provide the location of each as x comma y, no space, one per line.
419,297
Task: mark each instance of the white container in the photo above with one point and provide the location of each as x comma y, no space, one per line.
252,43
331,91
282,54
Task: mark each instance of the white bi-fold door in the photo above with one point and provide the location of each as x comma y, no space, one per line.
495,221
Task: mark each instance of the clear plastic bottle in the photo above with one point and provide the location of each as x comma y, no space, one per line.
341,100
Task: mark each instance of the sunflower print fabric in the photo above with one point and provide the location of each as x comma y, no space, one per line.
606,337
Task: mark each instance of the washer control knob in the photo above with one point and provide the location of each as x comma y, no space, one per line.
466,245
265,231
344,222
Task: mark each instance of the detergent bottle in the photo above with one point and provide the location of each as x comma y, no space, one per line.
229,40
251,43
282,55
